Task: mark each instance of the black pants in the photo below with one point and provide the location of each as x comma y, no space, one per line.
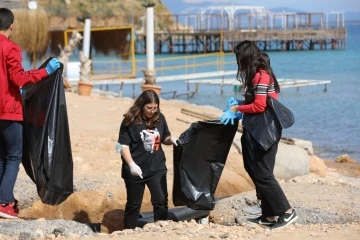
135,192
260,166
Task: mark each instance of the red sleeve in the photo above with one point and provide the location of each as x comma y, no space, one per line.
261,84
18,76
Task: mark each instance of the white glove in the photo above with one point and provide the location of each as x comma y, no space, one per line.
135,170
173,140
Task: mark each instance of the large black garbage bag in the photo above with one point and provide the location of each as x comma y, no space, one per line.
282,114
199,161
47,157
266,127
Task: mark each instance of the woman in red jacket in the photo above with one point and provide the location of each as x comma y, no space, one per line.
12,78
259,82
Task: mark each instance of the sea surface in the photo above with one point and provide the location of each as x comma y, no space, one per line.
329,119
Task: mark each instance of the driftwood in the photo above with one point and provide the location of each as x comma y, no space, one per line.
66,52
205,116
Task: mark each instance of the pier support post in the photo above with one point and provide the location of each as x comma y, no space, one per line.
86,40
150,36
150,73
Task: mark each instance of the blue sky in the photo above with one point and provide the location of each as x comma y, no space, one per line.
177,6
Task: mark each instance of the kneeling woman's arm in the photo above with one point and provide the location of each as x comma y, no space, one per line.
170,140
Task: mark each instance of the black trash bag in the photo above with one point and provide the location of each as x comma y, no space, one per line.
47,157
266,127
199,160
282,114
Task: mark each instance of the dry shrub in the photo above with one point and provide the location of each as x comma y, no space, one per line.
31,32
112,41
56,39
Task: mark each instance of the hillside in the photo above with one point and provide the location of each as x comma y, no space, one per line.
67,13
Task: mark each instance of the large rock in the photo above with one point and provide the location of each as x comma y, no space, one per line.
291,160
307,145
345,159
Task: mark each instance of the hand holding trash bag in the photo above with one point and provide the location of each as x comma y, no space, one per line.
173,140
52,66
135,169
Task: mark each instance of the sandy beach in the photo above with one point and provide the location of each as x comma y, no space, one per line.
328,205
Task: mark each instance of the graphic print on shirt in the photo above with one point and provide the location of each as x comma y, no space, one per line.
150,139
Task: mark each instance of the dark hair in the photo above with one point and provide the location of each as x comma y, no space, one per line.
135,111
250,60
6,18
266,57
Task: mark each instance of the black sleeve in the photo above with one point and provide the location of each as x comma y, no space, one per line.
166,131
124,135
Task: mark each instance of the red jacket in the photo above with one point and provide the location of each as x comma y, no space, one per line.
262,86
12,77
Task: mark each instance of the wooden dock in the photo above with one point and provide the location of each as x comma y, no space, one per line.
217,32
284,83
196,79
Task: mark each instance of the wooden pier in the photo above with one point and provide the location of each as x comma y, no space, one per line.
202,79
206,33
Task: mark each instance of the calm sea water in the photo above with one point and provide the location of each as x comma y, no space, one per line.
330,120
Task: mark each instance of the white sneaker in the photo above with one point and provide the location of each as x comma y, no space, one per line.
285,220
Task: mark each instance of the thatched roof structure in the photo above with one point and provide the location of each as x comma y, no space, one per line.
34,33
31,32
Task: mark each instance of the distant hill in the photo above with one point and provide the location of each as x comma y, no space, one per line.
102,12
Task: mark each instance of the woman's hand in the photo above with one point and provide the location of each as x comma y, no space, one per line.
234,108
135,169
173,140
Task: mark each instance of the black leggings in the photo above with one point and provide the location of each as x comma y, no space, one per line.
135,192
260,166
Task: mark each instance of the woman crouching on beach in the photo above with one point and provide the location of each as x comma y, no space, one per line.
142,132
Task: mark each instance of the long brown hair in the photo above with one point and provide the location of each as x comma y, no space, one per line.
134,114
250,61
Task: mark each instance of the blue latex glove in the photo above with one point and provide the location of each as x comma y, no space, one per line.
22,91
227,116
238,115
52,66
231,102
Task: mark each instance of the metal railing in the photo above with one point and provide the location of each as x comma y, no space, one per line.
164,66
